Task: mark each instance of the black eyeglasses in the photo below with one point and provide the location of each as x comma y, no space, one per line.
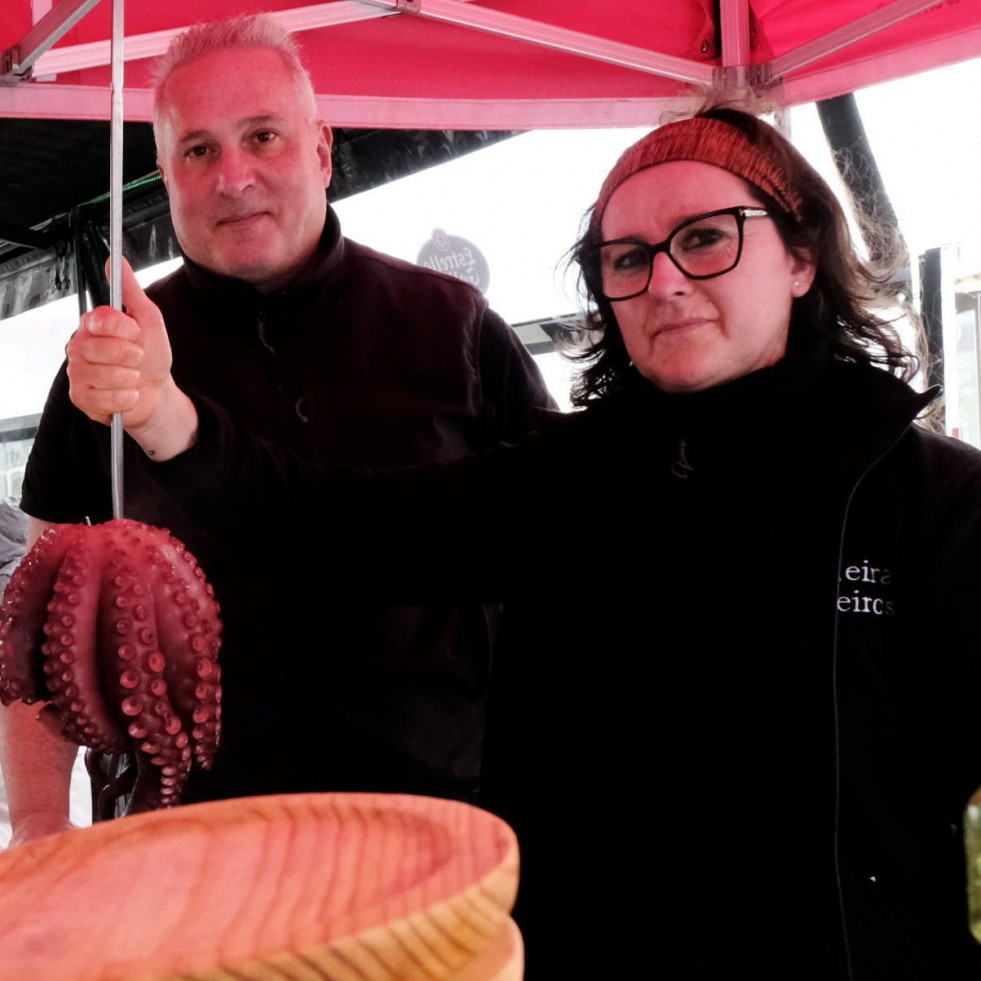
702,247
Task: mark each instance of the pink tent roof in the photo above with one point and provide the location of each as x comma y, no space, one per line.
500,64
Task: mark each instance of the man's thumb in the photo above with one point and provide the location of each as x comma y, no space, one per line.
135,300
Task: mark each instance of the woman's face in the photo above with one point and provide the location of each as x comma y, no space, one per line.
685,335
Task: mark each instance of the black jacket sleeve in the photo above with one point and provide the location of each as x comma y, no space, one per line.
512,388
431,532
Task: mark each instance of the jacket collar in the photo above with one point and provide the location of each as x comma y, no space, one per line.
233,294
846,414
869,410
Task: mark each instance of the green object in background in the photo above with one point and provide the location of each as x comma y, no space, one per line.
972,845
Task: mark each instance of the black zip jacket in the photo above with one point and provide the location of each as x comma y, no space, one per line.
363,360
734,716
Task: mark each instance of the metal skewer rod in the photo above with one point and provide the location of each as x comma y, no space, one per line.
116,233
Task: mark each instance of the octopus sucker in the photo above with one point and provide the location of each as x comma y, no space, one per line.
116,627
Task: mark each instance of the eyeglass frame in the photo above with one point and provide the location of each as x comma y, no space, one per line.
740,212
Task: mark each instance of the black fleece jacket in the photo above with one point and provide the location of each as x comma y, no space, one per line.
734,712
366,360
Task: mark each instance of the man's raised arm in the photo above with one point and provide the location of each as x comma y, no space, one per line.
37,763
117,362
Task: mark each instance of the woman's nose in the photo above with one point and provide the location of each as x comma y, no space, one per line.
666,278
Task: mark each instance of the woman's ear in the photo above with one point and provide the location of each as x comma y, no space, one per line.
803,271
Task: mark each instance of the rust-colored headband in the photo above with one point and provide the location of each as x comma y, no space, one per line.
710,141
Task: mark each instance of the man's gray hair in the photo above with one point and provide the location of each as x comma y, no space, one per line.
243,31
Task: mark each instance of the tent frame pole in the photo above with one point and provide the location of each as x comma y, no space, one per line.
116,234
96,54
17,61
859,30
461,14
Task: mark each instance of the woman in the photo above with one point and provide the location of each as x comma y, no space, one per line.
732,717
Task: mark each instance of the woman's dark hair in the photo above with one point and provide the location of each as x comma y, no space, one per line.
838,307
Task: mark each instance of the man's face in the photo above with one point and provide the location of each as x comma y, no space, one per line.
245,166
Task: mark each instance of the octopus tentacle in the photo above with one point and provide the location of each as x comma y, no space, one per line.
23,615
190,639
135,677
129,656
72,632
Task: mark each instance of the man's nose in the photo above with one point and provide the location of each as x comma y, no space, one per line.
666,278
235,172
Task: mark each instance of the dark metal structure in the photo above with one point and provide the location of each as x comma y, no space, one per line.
54,197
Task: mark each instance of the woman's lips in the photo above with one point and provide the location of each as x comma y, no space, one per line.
681,326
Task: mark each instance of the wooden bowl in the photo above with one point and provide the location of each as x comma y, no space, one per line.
366,887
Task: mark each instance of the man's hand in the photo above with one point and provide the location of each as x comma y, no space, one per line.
36,826
120,362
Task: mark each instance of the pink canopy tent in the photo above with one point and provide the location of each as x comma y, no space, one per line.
500,64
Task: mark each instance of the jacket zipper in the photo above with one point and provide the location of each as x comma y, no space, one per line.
834,698
260,326
680,467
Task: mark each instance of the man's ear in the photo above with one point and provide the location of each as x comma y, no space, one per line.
163,174
325,143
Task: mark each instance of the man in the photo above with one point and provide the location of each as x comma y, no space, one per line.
337,353
13,533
